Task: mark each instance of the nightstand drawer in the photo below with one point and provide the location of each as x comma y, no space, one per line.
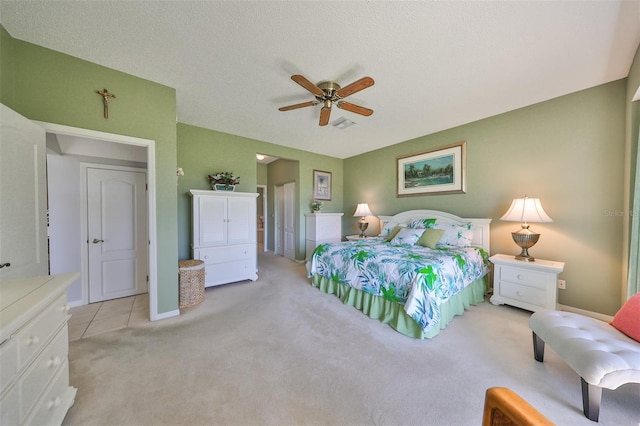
524,276
523,293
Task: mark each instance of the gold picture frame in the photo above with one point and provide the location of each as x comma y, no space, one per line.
434,172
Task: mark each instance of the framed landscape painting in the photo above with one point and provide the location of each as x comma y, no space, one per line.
437,171
321,185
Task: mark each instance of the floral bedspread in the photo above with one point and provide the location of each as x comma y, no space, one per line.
416,276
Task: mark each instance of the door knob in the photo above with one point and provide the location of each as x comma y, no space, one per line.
96,241
5,265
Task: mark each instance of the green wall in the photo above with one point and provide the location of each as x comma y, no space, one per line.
203,151
6,68
569,152
53,87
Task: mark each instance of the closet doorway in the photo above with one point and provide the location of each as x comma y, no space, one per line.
79,294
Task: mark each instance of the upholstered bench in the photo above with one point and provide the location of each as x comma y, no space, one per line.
602,356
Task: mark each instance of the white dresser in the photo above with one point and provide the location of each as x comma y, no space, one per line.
34,347
224,235
322,228
527,285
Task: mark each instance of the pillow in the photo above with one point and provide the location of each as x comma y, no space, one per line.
627,320
430,237
455,235
407,236
387,227
422,223
393,233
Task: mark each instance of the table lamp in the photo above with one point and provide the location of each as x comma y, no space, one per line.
362,210
526,210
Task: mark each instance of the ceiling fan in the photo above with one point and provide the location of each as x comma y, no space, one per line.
329,93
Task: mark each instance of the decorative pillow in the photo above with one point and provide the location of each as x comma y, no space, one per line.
455,235
387,227
393,233
430,238
407,236
422,223
627,320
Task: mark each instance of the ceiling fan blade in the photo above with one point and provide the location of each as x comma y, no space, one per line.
302,81
354,87
325,112
354,108
296,106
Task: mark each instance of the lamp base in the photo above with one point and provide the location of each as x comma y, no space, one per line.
363,227
525,239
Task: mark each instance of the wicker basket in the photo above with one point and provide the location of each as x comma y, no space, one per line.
191,282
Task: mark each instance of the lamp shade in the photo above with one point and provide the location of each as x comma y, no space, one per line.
526,210
363,210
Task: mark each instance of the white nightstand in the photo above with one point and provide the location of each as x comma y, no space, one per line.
528,285
356,237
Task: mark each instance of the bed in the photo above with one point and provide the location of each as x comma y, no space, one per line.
424,268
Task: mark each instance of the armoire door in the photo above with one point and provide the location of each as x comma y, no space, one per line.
241,220
23,197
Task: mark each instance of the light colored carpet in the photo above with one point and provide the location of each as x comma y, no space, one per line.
280,352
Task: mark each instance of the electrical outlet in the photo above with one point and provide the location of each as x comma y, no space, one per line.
562,284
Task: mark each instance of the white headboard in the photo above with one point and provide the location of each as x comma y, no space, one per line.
481,233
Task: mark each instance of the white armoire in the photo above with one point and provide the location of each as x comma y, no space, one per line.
224,235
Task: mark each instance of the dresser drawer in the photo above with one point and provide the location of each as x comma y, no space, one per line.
10,408
523,293
216,255
42,370
8,363
35,334
524,276
58,397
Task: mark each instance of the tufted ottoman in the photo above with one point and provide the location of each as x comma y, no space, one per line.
602,356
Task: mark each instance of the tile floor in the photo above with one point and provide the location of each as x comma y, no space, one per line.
96,318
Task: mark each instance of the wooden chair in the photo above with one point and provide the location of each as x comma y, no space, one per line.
503,407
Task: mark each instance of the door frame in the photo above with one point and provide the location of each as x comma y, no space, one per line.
151,197
84,254
264,220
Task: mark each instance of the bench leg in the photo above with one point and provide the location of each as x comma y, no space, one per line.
538,347
591,396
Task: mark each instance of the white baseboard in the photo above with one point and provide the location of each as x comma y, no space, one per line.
165,315
596,315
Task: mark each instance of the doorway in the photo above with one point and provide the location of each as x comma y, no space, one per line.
124,142
262,209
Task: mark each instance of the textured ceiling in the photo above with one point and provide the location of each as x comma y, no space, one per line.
436,65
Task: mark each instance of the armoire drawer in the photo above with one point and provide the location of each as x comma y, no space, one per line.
215,255
221,273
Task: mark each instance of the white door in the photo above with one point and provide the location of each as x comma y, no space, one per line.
278,219
23,218
211,221
289,234
117,233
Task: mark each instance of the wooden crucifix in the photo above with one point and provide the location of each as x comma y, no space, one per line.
105,100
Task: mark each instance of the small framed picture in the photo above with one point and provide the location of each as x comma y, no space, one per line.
437,171
321,185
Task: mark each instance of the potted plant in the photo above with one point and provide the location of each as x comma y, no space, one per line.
223,181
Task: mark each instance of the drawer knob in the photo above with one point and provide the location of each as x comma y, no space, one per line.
519,276
54,403
519,293
54,362
33,340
